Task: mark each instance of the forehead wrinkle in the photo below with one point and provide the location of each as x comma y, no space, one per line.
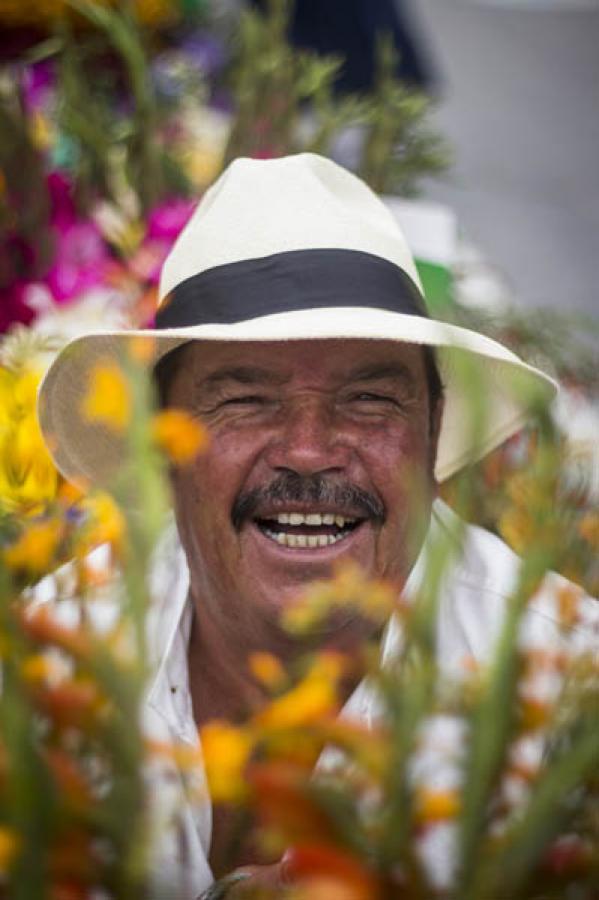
240,375
382,371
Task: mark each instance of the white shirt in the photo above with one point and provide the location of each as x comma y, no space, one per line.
473,602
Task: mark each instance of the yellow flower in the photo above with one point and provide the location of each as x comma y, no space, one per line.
9,847
42,667
434,806
374,599
226,750
267,670
179,436
108,398
311,701
28,479
34,551
104,524
517,528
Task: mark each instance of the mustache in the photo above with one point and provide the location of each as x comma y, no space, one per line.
316,489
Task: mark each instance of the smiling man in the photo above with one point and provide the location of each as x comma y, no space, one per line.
293,325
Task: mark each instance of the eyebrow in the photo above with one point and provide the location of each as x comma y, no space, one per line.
241,375
380,372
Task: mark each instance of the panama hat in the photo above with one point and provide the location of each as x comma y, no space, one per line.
295,248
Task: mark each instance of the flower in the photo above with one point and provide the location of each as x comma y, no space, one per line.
28,478
108,398
434,805
103,523
226,749
326,872
178,435
375,599
10,843
267,669
35,549
588,528
311,701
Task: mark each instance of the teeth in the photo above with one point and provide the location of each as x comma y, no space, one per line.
296,518
304,540
314,519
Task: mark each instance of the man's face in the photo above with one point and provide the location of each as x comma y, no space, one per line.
321,452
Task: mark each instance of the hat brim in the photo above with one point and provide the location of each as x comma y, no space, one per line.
468,362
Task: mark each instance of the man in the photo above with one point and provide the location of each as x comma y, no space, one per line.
292,324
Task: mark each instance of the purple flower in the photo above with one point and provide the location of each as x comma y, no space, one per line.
38,84
205,51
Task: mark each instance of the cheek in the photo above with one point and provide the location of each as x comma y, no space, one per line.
398,458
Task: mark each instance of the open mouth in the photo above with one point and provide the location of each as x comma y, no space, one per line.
314,529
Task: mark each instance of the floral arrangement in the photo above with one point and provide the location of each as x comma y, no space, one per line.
94,188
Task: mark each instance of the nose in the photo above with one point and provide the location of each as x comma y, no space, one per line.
307,440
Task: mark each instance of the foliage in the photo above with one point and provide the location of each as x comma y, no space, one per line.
478,785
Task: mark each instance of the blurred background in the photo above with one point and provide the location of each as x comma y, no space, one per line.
519,91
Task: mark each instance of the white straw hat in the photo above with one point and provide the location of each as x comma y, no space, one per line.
295,248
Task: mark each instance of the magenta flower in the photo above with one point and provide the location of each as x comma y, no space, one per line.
79,261
166,220
80,254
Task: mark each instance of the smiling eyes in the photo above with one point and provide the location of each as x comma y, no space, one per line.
363,398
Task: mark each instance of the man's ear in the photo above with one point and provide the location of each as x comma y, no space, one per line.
436,418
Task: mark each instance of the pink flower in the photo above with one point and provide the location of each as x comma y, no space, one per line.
62,206
79,261
167,220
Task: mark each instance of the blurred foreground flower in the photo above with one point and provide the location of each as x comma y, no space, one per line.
28,478
108,397
178,435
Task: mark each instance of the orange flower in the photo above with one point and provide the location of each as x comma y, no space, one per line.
40,667
434,806
313,699
534,713
267,670
72,704
326,872
10,843
68,777
141,348
568,604
282,801
179,436
588,528
374,599
35,549
226,750
40,625
108,398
